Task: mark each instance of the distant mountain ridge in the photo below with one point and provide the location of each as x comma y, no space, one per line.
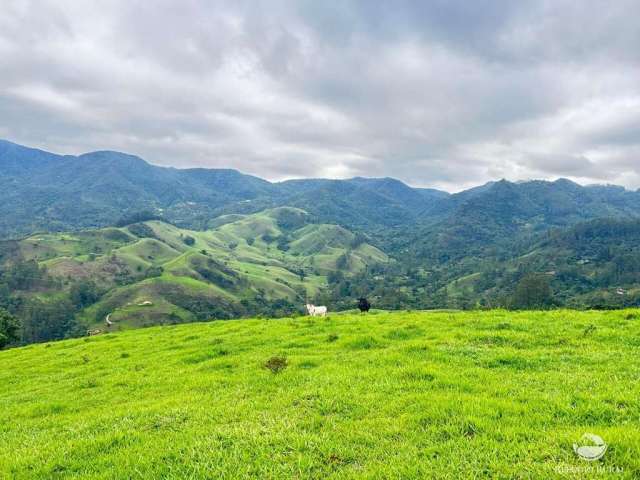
42,191
45,191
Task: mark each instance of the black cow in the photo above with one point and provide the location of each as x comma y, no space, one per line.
363,305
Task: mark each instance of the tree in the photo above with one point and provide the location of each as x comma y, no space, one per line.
142,230
83,294
9,327
44,321
342,263
532,292
24,275
358,240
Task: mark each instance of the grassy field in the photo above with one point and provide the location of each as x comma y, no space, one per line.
385,395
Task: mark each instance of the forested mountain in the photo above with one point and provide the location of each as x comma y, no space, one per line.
40,191
201,243
503,214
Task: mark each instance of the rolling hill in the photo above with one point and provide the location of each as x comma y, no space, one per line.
385,395
153,272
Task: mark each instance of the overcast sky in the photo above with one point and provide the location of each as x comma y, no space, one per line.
445,93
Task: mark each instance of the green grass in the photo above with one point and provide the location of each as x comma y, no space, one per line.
385,395
150,251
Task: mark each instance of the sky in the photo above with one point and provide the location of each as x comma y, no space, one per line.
446,94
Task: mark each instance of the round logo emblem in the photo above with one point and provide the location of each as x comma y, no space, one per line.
591,447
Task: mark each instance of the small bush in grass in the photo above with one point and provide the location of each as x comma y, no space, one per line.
276,364
332,338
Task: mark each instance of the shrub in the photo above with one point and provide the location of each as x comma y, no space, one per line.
189,240
276,364
141,230
153,272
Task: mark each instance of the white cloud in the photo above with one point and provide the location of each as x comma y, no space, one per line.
437,94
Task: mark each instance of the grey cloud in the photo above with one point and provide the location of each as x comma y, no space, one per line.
447,94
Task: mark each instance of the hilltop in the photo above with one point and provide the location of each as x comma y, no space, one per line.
384,395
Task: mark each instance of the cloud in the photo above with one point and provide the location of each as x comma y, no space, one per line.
445,94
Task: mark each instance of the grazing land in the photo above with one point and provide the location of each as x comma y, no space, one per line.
152,273
442,394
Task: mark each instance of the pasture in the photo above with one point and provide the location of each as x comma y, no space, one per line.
185,275
385,395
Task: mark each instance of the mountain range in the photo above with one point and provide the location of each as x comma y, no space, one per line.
42,191
120,223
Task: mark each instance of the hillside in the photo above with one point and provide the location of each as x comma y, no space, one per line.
386,395
152,272
464,250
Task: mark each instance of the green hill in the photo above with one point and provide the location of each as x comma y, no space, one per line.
384,395
155,273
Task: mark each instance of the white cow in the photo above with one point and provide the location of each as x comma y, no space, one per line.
316,311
